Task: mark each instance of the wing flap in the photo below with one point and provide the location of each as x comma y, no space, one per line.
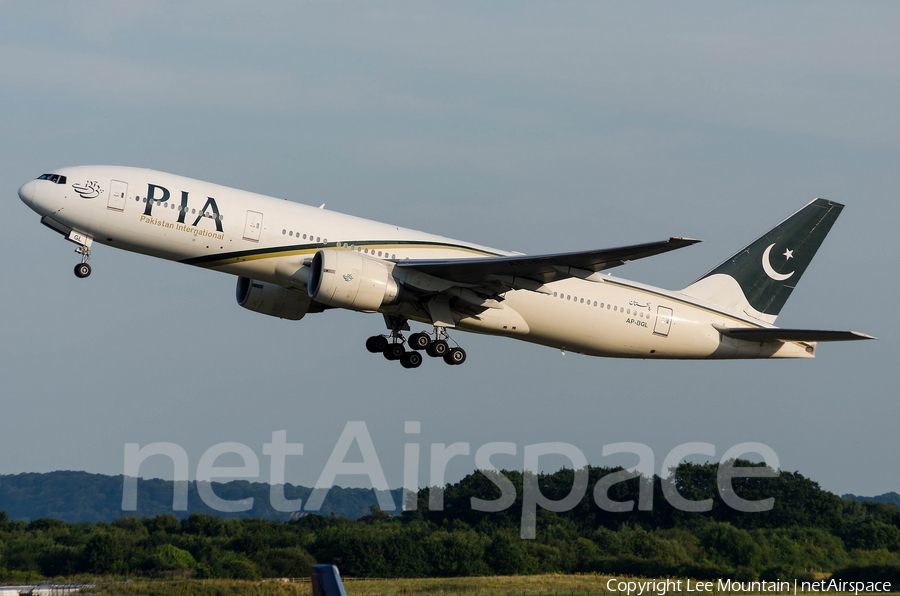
783,335
540,268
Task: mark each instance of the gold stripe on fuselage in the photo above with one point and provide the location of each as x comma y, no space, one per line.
212,261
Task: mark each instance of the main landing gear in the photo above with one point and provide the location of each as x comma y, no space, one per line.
392,347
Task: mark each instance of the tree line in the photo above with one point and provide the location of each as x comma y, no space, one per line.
808,530
81,496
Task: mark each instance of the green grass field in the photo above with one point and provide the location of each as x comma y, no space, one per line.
539,585
525,585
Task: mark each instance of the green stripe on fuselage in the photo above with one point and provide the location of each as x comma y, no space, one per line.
228,258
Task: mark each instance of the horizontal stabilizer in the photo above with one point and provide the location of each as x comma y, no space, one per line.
541,268
782,335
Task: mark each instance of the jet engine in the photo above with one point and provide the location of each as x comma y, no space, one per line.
272,299
346,279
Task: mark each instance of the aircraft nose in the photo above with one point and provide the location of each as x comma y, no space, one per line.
26,192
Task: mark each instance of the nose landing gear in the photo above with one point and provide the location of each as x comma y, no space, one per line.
82,269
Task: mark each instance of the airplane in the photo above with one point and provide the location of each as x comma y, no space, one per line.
292,260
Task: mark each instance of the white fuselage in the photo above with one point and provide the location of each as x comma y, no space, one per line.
259,237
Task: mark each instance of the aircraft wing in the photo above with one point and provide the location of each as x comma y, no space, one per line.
538,269
782,335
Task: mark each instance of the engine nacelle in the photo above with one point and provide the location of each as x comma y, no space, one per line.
271,299
346,279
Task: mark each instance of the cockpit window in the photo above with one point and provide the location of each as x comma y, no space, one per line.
55,178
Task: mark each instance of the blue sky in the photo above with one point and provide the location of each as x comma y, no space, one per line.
536,127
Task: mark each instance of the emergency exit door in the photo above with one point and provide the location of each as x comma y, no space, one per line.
253,226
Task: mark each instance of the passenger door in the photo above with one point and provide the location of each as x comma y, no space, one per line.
118,192
253,226
663,321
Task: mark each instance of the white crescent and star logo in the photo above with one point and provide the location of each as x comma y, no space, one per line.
767,266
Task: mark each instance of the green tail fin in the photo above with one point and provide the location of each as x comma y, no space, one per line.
768,269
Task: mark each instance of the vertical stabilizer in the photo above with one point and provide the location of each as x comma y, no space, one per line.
326,581
759,279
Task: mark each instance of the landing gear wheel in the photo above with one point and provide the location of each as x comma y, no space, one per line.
419,341
376,344
394,351
437,348
82,270
455,356
411,360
